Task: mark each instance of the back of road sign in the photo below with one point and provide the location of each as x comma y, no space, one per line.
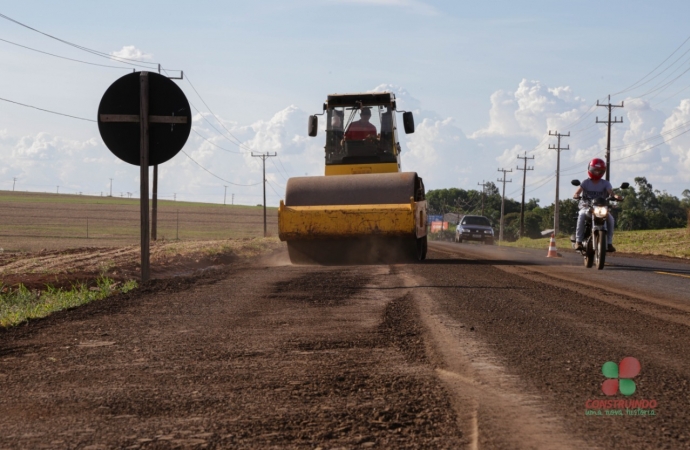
165,99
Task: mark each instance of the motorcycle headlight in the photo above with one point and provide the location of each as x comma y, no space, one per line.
600,211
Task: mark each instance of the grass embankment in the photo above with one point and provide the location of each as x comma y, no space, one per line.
21,304
674,242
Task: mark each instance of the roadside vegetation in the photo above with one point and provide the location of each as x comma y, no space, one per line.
672,242
28,280
20,304
644,208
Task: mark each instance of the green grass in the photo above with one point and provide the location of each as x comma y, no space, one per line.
21,304
672,242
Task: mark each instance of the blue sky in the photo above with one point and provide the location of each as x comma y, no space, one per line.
486,80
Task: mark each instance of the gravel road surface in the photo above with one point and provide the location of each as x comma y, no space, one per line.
470,349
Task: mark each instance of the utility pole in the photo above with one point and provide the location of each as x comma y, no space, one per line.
609,106
483,185
558,148
14,181
58,190
233,199
263,157
225,194
503,200
175,197
111,187
524,180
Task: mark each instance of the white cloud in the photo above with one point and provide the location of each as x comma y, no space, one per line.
678,122
131,52
531,110
439,150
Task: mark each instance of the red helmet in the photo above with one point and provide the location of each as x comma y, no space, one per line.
596,169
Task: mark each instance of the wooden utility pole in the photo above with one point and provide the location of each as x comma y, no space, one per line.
154,205
524,181
558,148
608,122
483,185
263,157
144,172
503,200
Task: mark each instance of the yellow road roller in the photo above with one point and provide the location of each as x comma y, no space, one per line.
365,210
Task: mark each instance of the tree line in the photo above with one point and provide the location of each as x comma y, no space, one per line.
643,208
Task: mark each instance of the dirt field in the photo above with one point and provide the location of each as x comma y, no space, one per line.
34,222
62,268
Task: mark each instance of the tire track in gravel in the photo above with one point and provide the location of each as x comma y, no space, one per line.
550,342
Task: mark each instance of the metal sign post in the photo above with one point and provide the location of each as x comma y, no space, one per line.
154,205
144,173
164,122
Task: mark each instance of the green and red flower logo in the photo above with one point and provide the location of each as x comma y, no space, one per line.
620,376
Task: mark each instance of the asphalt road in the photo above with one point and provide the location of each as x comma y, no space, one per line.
656,279
478,347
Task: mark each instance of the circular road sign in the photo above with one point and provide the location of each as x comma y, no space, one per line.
120,128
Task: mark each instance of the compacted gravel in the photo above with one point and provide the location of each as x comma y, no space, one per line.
451,353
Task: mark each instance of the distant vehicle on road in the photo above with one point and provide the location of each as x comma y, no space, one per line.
474,228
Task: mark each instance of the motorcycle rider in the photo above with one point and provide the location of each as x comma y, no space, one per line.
594,187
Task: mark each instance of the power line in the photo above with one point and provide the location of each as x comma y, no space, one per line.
222,179
81,47
271,186
64,57
216,145
635,84
46,110
278,170
249,150
239,143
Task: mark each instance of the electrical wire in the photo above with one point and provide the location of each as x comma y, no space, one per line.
271,186
222,179
238,143
47,110
281,165
64,57
120,59
249,150
216,145
635,84
278,170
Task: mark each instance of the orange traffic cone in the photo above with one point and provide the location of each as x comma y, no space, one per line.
553,251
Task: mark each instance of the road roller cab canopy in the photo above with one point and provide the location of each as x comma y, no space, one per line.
361,130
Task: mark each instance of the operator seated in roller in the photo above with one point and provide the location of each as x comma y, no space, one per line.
591,188
361,129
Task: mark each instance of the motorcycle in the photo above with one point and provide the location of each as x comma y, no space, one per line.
594,243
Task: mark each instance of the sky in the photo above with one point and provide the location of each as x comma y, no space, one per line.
486,81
